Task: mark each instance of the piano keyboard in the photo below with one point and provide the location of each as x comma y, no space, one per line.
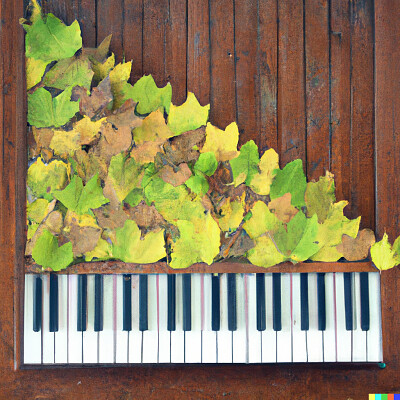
202,318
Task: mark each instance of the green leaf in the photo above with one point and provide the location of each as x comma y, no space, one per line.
245,166
134,197
198,184
129,247
206,163
119,85
149,97
290,179
48,39
47,253
264,253
44,111
34,71
79,198
382,254
262,220
188,116
396,246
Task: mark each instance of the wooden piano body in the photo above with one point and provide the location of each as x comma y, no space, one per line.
318,79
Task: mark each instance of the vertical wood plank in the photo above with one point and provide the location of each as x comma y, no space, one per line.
291,96
222,101
245,22
317,86
267,64
198,61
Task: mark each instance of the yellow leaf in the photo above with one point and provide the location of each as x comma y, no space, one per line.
261,182
265,254
383,256
101,69
232,214
261,221
34,71
102,251
88,129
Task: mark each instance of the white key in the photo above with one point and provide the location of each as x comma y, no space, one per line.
193,337
239,337
135,336
48,337
374,335
209,337
178,336
150,337
121,336
164,337
284,337
90,337
61,336
224,336
329,334
74,336
254,336
32,340
343,336
359,336
299,336
268,337
314,336
106,336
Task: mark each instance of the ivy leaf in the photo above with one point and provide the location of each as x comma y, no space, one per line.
262,220
44,111
34,71
129,247
47,253
79,198
383,256
290,179
245,166
261,182
264,253
188,116
199,242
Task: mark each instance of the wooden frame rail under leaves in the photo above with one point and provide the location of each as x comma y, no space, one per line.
119,173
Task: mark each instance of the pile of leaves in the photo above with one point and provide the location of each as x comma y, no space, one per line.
116,171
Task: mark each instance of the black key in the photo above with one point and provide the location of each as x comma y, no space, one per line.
276,302
37,304
215,304
143,289
187,301
127,303
321,301
260,292
171,323
305,323
98,302
232,320
53,303
364,291
82,303
348,303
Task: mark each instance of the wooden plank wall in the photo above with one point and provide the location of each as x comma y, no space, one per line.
316,79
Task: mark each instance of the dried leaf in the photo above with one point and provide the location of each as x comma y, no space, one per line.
283,208
355,249
175,176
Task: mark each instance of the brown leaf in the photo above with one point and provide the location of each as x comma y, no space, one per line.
41,142
175,176
146,152
283,208
236,245
146,217
109,217
125,116
89,164
358,248
220,180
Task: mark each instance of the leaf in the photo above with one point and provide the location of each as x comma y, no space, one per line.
44,111
198,184
43,179
320,196
130,248
175,176
79,198
261,182
396,246
206,164
262,220
39,209
34,71
149,97
188,116
147,151
146,217
118,79
245,166
354,249
102,251
290,179
232,214
102,68
48,39
222,143
264,253
199,242
283,208
134,197
383,256
47,253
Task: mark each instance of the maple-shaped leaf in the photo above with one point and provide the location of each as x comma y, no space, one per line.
264,253
320,196
44,111
261,182
102,251
199,241
79,198
262,220
48,39
245,166
147,151
383,255
223,143
129,247
205,165
282,208
231,214
34,71
176,176
119,76
47,253
290,179
100,52
39,209
188,116
149,97
43,179
102,68
355,249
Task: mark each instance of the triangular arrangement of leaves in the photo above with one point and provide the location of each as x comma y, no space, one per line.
116,171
